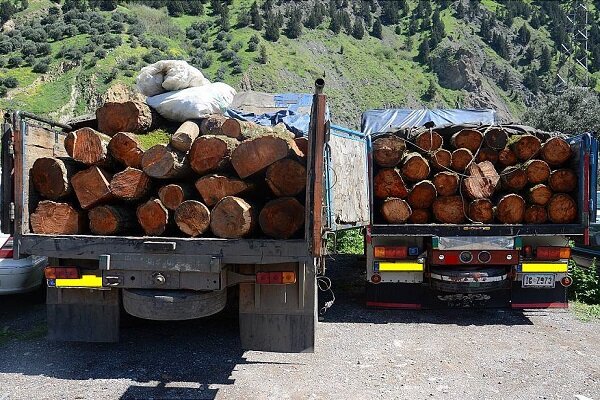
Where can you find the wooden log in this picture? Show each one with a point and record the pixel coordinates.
(486, 154)
(395, 211)
(429, 141)
(239, 129)
(211, 153)
(302, 144)
(51, 218)
(389, 183)
(526, 147)
(446, 183)
(173, 194)
(482, 180)
(422, 195)
(51, 177)
(125, 149)
(556, 151)
(388, 151)
(540, 194)
(129, 116)
(232, 218)
(185, 135)
(441, 159)
(420, 216)
(192, 218)
(535, 214)
(562, 209)
(415, 167)
(256, 154)
(537, 171)
(112, 220)
(164, 162)
(563, 180)
(213, 125)
(214, 187)
(286, 177)
(281, 218)
(87, 146)
(461, 158)
(449, 209)
(513, 178)
(130, 184)
(92, 187)
(495, 138)
(511, 209)
(467, 139)
(153, 217)
(481, 210)
(507, 158)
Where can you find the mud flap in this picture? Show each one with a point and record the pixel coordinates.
(538, 298)
(408, 296)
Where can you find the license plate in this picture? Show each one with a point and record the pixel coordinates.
(538, 280)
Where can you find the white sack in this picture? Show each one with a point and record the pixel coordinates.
(193, 102)
(168, 75)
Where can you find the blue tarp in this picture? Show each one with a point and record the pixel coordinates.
(375, 121)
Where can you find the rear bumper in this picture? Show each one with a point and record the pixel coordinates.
(21, 276)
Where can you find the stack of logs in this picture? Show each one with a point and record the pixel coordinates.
(485, 175)
(218, 176)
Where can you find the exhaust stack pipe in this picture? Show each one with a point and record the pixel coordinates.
(319, 85)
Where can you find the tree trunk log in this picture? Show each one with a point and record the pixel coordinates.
(389, 183)
(172, 195)
(213, 125)
(511, 209)
(537, 171)
(395, 211)
(130, 184)
(50, 218)
(535, 214)
(125, 148)
(461, 158)
(415, 167)
(213, 188)
(467, 139)
(562, 209)
(422, 195)
(496, 138)
(441, 160)
(92, 187)
(87, 146)
(513, 178)
(388, 151)
(481, 210)
(185, 135)
(563, 181)
(507, 158)
(281, 218)
(487, 155)
(286, 178)
(163, 162)
(449, 209)
(446, 183)
(420, 216)
(302, 144)
(256, 154)
(130, 116)
(153, 217)
(540, 194)
(192, 218)
(526, 147)
(112, 220)
(482, 180)
(429, 141)
(211, 153)
(556, 151)
(232, 218)
(52, 177)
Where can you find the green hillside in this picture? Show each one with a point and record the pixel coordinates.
(64, 58)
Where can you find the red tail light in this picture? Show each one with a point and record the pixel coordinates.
(276, 278)
(62, 273)
(552, 253)
(397, 252)
(6, 253)
(566, 281)
(528, 251)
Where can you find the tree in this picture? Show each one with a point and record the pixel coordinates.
(263, 55)
(431, 91)
(460, 10)
(175, 8)
(358, 30)
(257, 19)
(524, 35)
(10, 82)
(224, 18)
(271, 29)
(335, 25)
(14, 61)
(424, 50)
(532, 81)
(389, 12)
(244, 19)
(294, 24)
(41, 67)
(438, 30)
(545, 60)
(529, 53)
(377, 29)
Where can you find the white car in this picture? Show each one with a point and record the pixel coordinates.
(19, 276)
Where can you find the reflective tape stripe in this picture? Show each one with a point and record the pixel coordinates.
(544, 267)
(84, 281)
(398, 266)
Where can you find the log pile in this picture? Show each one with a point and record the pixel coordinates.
(217, 177)
(490, 175)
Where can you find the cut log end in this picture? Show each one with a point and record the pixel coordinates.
(563, 181)
(511, 209)
(422, 195)
(388, 151)
(185, 135)
(487, 155)
(514, 178)
(482, 180)
(92, 187)
(526, 147)
(461, 158)
(389, 183)
(535, 214)
(495, 138)
(129, 116)
(232, 218)
(164, 162)
(562, 209)
(130, 184)
(286, 178)
(171, 196)
(420, 216)
(481, 210)
(449, 209)
(467, 139)
(192, 217)
(537, 171)
(281, 218)
(211, 153)
(52, 177)
(507, 158)
(153, 217)
(556, 151)
(415, 167)
(51, 218)
(213, 188)
(111, 220)
(395, 211)
(446, 183)
(441, 159)
(540, 194)
(125, 149)
(429, 141)
(87, 146)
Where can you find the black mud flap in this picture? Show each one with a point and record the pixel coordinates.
(538, 298)
(403, 296)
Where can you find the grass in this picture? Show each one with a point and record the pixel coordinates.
(158, 136)
(585, 312)
(37, 332)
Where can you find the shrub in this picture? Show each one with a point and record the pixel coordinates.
(227, 54)
(3, 91)
(10, 82)
(586, 285)
(41, 67)
(44, 49)
(100, 53)
(237, 46)
(15, 61)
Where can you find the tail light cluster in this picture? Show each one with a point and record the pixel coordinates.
(6, 253)
(276, 278)
(62, 273)
(546, 253)
(395, 252)
(474, 257)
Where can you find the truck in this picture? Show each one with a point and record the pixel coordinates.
(431, 265)
(92, 278)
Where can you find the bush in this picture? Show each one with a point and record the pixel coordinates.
(159, 44)
(92, 62)
(220, 45)
(10, 82)
(237, 69)
(15, 61)
(5, 46)
(44, 49)
(3, 91)
(227, 54)
(41, 67)
(237, 46)
(586, 285)
(100, 53)
(29, 48)
(220, 74)
(136, 30)
(128, 73)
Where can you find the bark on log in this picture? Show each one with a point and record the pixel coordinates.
(496, 138)
(286, 178)
(429, 141)
(211, 153)
(87, 146)
(449, 209)
(302, 144)
(125, 148)
(395, 211)
(51, 218)
(213, 188)
(192, 218)
(422, 195)
(481, 210)
(153, 217)
(461, 158)
(535, 214)
(415, 167)
(446, 183)
(232, 218)
(467, 139)
(388, 151)
(112, 220)
(420, 216)
(389, 183)
(537, 171)
(441, 160)
(563, 180)
(507, 158)
(487, 155)
(562, 209)
(213, 125)
(540, 194)
(130, 184)
(185, 135)
(514, 178)
(281, 218)
(92, 187)
(130, 116)
(164, 162)
(172, 195)
(511, 209)
(256, 154)
(52, 177)
(556, 151)
(526, 147)
(482, 180)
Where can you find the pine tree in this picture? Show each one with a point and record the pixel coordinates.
(335, 24)
(529, 53)
(377, 29)
(524, 35)
(271, 28)
(257, 19)
(389, 12)
(294, 24)
(438, 30)
(424, 50)
(460, 10)
(413, 26)
(263, 55)
(532, 82)
(346, 22)
(535, 21)
(358, 31)
(545, 60)
(398, 30)
(224, 18)
(431, 91)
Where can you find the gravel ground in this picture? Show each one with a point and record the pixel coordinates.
(454, 354)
